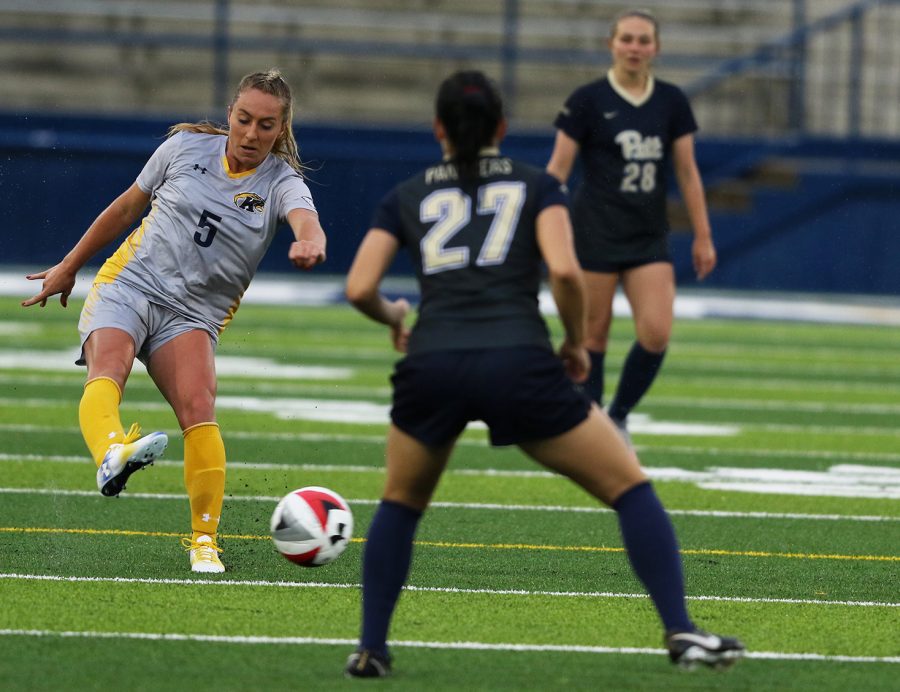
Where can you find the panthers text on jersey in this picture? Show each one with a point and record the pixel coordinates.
(475, 252)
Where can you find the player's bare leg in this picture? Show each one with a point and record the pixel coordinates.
(600, 289)
(650, 289)
(413, 472)
(595, 456)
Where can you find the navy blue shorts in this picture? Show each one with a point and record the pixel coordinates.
(521, 393)
(612, 267)
(606, 246)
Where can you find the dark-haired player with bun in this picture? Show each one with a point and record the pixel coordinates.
(478, 227)
(628, 128)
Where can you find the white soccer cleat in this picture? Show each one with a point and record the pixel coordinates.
(124, 458)
(204, 555)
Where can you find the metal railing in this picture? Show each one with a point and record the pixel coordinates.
(805, 74)
(843, 67)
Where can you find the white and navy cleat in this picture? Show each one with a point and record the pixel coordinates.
(124, 458)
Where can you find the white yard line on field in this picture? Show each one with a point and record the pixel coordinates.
(232, 366)
(788, 371)
(725, 452)
(721, 514)
(241, 434)
(881, 457)
(839, 480)
(469, 646)
(757, 405)
(371, 413)
(287, 289)
(795, 390)
(432, 589)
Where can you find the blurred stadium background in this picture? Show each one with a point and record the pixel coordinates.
(798, 103)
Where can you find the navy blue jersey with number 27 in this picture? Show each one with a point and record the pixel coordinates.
(474, 249)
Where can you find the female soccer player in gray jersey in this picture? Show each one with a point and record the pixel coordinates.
(478, 227)
(628, 129)
(216, 196)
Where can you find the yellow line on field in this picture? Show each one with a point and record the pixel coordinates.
(118, 532)
(479, 546)
(701, 551)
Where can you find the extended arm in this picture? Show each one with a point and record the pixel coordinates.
(565, 151)
(375, 254)
(554, 235)
(109, 225)
(691, 186)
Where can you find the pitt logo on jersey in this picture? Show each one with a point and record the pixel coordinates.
(638, 148)
(249, 201)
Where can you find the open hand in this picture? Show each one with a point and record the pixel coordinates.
(56, 280)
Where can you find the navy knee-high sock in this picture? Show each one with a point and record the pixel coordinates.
(386, 561)
(594, 384)
(653, 551)
(640, 369)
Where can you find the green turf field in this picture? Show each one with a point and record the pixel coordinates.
(775, 446)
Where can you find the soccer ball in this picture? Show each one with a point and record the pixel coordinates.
(312, 526)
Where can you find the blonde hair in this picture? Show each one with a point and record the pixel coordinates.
(270, 82)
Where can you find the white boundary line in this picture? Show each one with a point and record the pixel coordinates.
(733, 384)
(278, 289)
(466, 646)
(719, 514)
(728, 426)
(380, 440)
(435, 589)
(769, 453)
(757, 405)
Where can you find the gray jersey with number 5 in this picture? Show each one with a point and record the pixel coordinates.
(207, 230)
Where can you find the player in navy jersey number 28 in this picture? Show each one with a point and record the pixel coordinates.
(629, 128)
(217, 197)
(478, 227)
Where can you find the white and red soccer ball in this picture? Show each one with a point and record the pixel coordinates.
(312, 526)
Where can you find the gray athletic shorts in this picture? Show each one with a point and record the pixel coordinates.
(149, 324)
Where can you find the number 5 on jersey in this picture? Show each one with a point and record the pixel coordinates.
(206, 221)
(451, 211)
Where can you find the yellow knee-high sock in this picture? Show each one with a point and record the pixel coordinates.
(204, 476)
(98, 416)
